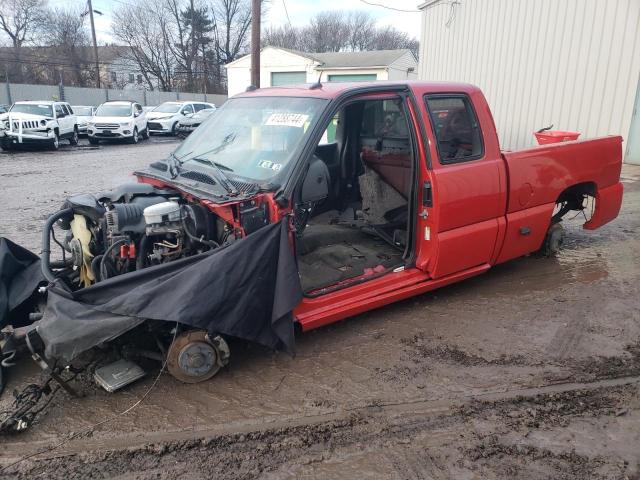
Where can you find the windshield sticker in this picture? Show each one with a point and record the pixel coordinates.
(270, 165)
(287, 120)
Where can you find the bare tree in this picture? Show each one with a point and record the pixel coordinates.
(18, 20)
(148, 32)
(337, 31)
(65, 36)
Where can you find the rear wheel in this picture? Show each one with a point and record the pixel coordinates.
(553, 240)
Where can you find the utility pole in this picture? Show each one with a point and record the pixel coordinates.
(255, 42)
(95, 44)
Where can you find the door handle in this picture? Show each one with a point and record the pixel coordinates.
(427, 195)
(424, 214)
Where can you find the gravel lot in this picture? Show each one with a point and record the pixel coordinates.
(529, 371)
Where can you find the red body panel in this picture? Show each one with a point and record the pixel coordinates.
(485, 211)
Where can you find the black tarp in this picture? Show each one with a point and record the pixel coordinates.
(246, 290)
(20, 275)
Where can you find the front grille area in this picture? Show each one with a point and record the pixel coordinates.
(108, 126)
(26, 124)
(154, 126)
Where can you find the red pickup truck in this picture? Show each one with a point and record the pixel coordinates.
(385, 191)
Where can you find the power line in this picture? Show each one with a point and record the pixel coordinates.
(389, 8)
(286, 12)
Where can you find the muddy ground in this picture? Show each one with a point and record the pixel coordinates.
(529, 371)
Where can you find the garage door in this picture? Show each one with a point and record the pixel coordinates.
(357, 77)
(287, 78)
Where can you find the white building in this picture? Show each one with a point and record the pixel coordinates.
(571, 63)
(280, 66)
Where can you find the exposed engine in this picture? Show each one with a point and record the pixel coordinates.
(128, 229)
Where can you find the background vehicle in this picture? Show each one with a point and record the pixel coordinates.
(84, 113)
(409, 193)
(38, 123)
(118, 120)
(165, 117)
(190, 122)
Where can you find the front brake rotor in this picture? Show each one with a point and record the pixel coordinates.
(194, 357)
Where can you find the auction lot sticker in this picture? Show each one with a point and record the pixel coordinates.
(287, 120)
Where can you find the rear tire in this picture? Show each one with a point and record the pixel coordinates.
(553, 241)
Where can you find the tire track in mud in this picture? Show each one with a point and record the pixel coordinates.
(424, 409)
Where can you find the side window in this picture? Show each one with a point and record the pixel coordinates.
(68, 108)
(456, 128)
(59, 111)
(188, 108)
(138, 108)
(199, 106)
(329, 135)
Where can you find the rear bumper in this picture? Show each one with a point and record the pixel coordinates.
(608, 203)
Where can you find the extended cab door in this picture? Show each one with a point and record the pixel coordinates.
(464, 191)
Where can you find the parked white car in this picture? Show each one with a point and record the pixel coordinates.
(118, 120)
(38, 123)
(165, 117)
(84, 113)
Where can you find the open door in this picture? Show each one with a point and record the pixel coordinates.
(361, 229)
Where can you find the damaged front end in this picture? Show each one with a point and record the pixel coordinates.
(144, 272)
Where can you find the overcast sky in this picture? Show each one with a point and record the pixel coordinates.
(299, 12)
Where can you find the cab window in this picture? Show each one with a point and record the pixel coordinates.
(59, 110)
(456, 128)
(187, 109)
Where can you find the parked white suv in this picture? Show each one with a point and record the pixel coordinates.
(119, 119)
(166, 116)
(38, 123)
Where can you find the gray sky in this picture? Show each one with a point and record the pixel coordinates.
(299, 12)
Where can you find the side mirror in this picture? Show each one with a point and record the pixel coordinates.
(136, 114)
(316, 183)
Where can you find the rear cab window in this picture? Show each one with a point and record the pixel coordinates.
(456, 128)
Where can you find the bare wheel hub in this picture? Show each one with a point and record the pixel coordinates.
(194, 357)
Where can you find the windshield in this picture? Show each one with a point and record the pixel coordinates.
(106, 110)
(168, 108)
(82, 111)
(33, 108)
(254, 137)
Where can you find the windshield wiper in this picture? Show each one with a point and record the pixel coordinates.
(220, 176)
